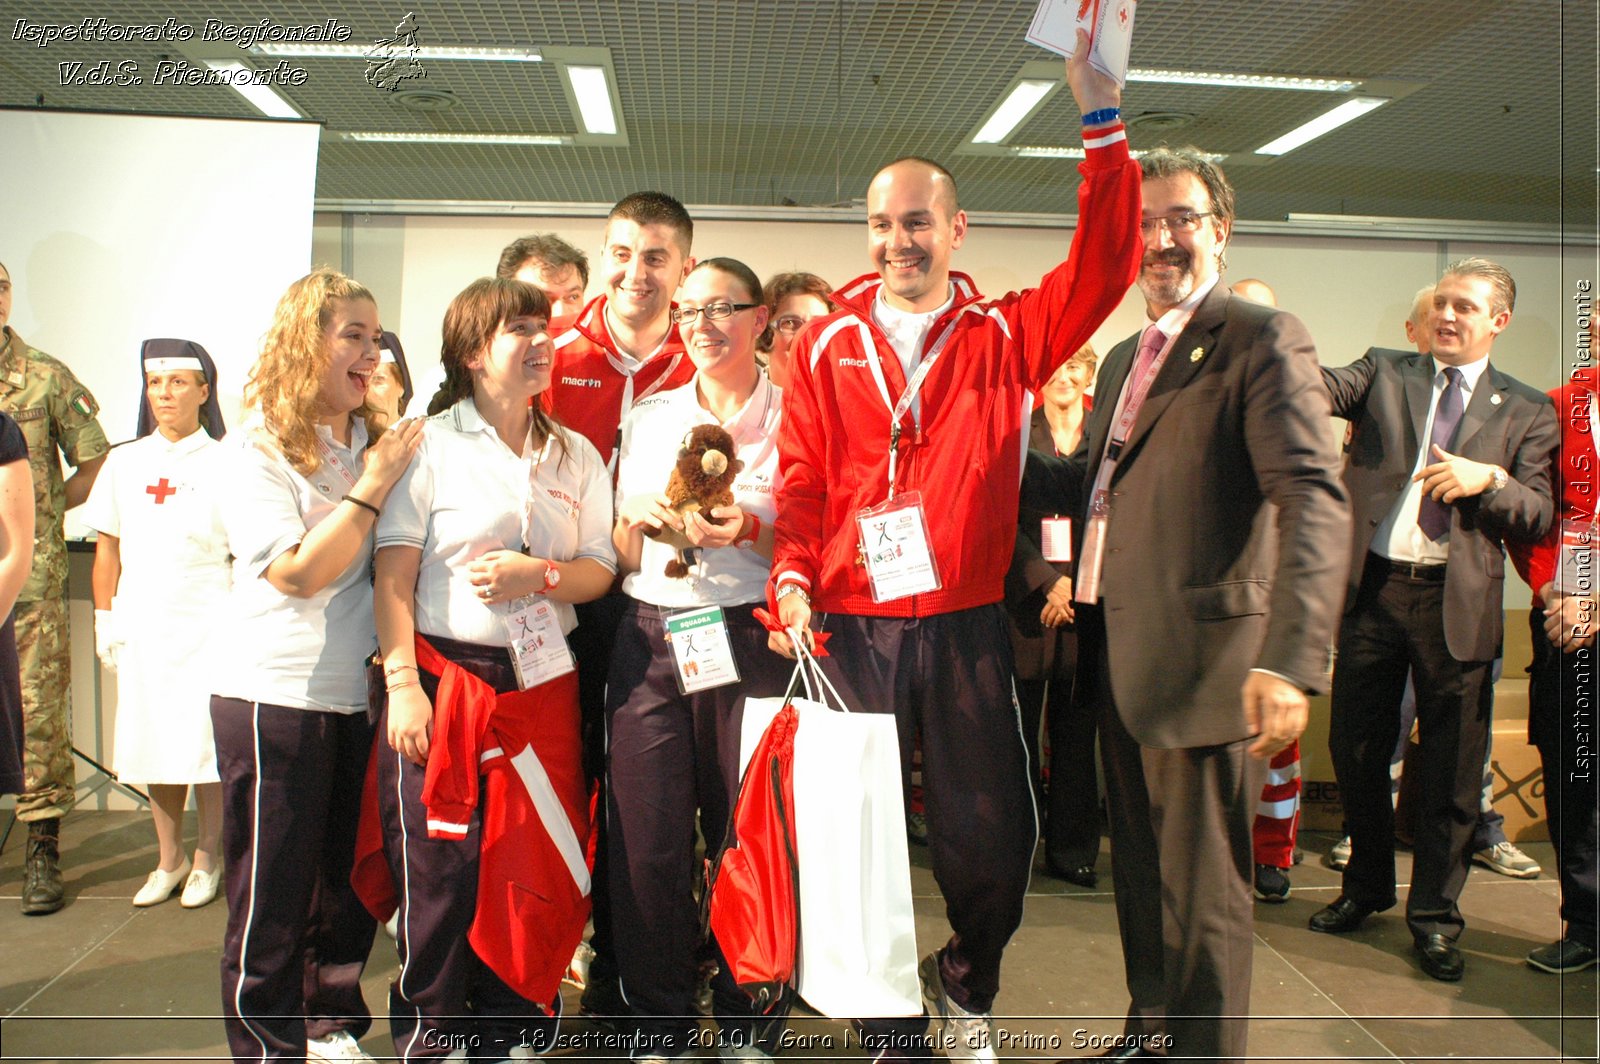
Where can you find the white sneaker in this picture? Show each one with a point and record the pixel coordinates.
(578, 969)
(963, 1035)
(337, 1047)
(1339, 856)
(1502, 857)
(201, 888)
(159, 885)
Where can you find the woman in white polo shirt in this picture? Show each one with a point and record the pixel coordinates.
(300, 493)
(503, 523)
(673, 754)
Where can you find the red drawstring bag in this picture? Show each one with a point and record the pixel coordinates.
(753, 886)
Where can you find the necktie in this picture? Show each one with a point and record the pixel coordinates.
(1150, 346)
(1433, 517)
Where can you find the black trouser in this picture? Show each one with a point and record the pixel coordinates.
(1562, 691)
(444, 996)
(1071, 803)
(948, 678)
(1181, 862)
(673, 755)
(297, 937)
(591, 644)
(1396, 625)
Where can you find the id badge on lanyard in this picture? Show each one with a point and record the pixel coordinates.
(538, 649)
(701, 651)
(895, 545)
(1055, 539)
(1575, 573)
(894, 541)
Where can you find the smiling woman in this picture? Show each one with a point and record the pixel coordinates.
(674, 738)
(500, 526)
(299, 497)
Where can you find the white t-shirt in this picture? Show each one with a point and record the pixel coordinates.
(651, 435)
(305, 653)
(467, 494)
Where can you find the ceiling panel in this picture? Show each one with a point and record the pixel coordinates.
(749, 102)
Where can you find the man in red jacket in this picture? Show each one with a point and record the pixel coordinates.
(622, 348)
(901, 454)
(1561, 685)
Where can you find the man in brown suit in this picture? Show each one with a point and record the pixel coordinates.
(1209, 580)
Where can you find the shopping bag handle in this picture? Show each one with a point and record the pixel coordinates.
(809, 666)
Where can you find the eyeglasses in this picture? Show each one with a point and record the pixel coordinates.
(712, 311)
(1182, 222)
(789, 324)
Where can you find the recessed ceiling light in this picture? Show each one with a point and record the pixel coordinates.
(592, 91)
(251, 85)
(447, 52)
(378, 136)
(1327, 122)
(1242, 81)
(1024, 97)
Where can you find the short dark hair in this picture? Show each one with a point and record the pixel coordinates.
(655, 208)
(783, 285)
(938, 169)
(1170, 162)
(547, 248)
(1499, 278)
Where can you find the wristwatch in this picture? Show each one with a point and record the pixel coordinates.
(791, 588)
(552, 577)
(1498, 479)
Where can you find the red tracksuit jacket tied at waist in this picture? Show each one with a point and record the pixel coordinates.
(515, 759)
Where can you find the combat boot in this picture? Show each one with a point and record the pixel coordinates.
(42, 889)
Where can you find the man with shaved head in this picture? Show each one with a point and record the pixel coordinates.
(903, 422)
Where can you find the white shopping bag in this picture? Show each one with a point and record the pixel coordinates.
(858, 943)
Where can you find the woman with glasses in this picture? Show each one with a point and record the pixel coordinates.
(791, 299)
(674, 708)
(499, 527)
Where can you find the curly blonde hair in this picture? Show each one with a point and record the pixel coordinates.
(287, 377)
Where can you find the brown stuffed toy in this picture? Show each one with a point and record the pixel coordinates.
(701, 480)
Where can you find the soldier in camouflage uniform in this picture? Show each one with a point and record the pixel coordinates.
(57, 415)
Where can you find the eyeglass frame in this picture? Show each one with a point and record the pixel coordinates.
(687, 315)
(1147, 226)
(789, 324)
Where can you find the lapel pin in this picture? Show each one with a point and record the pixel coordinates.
(1197, 354)
(1494, 400)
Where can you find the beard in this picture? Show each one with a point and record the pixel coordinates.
(1164, 290)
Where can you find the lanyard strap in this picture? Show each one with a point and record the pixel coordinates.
(628, 399)
(897, 411)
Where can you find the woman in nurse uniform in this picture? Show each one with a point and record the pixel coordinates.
(160, 571)
(301, 493)
(499, 527)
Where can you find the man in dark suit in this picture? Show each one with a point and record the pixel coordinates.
(1447, 457)
(1208, 581)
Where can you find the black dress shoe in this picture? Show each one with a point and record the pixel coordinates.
(1343, 915)
(1440, 958)
(1079, 875)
